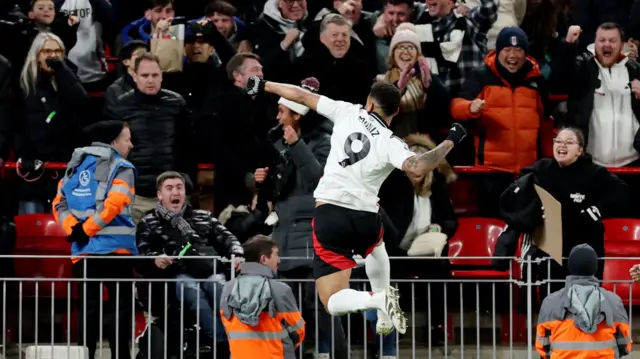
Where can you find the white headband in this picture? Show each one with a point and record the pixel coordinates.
(294, 106)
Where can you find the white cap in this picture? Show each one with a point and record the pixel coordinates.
(294, 106)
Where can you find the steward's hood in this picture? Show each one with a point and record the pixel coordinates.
(251, 294)
(105, 154)
(586, 303)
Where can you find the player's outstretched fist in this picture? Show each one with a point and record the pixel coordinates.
(255, 86)
(456, 133)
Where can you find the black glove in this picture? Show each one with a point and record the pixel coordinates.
(592, 213)
(255, 86)
(77, 235)
(457, 133)
(55, 64)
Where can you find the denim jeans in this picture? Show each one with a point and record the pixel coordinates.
(388, 341)
(208, 294)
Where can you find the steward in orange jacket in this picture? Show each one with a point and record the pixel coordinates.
(259, 313)
(583, 321)
(505, 97)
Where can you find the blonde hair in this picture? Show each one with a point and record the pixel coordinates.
(29, 73)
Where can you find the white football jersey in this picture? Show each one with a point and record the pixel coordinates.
(363, 153)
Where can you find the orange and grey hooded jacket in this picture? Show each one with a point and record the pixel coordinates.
(260, 315)
(98, 190)
(507, 128)
(583, 321)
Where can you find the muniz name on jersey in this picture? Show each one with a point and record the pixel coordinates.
(373, 130)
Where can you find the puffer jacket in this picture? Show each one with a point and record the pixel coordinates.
(156, 236)
(161, 132)
(507, 127)
(297, 173)
(118, 88)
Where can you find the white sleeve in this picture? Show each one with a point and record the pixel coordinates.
(334, 110)
(398, 151)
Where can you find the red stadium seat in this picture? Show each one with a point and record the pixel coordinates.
(621, 229)
(39, 234)
(616, 270)
(476, 237)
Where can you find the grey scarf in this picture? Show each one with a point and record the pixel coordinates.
(176, 219)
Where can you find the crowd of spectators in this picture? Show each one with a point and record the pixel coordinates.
(491, 64)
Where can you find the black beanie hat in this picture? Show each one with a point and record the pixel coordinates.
(512, 37)
(104, 131)
(131, 46)
(583, 261)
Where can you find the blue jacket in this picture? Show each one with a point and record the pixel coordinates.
(98, 190)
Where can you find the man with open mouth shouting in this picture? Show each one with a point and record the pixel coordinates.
(604, 94)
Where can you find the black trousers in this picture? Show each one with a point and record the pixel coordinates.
(118, 308)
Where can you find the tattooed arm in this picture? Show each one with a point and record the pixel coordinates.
(419, 165)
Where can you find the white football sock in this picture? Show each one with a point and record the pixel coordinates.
(379, 273)
(350, 300)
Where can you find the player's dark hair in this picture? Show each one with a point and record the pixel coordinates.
(257, 247)
(386, 96)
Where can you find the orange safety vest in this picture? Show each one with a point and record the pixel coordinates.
(270, 339)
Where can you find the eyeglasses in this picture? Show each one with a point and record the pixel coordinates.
(408, 48)
(564, 143)
(49, 52)
(291, 2)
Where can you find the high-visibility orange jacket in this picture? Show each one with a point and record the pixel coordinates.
(583, 321)
(260, 315)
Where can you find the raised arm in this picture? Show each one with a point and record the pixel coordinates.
(256, 85)
(418, 165)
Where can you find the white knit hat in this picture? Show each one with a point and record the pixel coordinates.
(294, 106)
(405, 32)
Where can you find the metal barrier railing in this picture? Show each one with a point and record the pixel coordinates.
(472, 317)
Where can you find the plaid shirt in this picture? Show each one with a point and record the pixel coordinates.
(474, 45)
